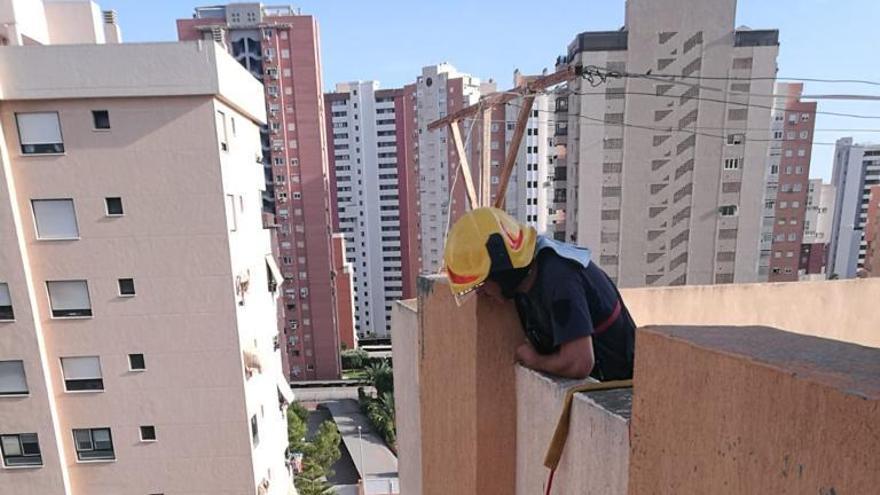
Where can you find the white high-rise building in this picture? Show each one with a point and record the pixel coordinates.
(440, 90)
(369, 153)
(669, 183)
(856, 170)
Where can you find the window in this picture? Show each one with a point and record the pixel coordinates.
(6, 313)
(804, 134)
(93, 444)
(69, 298)
(55, 219)
(735, 138)
(255, 431)
(285, 53)
(12, 378)
(21, 449)
(777, 254)
(39, 133)
(805, 117)
(727, 210)
(136, 362)
(732, 163)
(230, 213)
(148, 433)
(802, 152)
(788, 153)
(221, 131)
(101, 119)
(777, 134)
(113, 207)
(126, 286)
(82, 373)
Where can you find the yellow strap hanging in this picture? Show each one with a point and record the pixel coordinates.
(557, 444)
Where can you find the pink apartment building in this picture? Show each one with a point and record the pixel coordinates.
(797, 119)
(280, 47)
(139, 350)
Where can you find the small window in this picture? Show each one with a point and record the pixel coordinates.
(126, 286)
(732, 163)
(221, 131)
(735, 138)
(21, 449)
(231, 222)
(69, 298)
(255, 431)
(727, 210)
(93, 444)
(55, 219)
(136, 362)
(148, 433)
(6, 313)
(12, 378)
(101, 119)
(39, 133)
(113, 207)
(82, 373)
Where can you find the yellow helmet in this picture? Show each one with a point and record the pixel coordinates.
(483, 241)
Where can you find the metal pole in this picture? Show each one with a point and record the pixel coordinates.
(361, 442)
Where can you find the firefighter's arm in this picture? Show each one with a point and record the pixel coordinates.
(574, 359)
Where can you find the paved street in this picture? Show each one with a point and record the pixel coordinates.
(378, 460)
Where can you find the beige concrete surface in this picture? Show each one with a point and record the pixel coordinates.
(725, 410)
(843, 310)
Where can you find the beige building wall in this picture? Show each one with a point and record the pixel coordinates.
(191, 237)
(839, 310)
(651, 182)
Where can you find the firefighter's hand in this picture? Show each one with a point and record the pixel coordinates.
(526, 355)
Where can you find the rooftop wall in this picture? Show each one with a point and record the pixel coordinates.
(129, 70)
(841, 309)
(753, 410)
(715, 409)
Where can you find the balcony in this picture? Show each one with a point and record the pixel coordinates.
(774, 389)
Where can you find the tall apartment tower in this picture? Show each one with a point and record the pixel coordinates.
(818, 217)
(279, 46)
(440, 90)
(787, 184)
(670, 182)
(138, 351)
(856, 170)
(371, 140)
(529, 193)
(872, 234)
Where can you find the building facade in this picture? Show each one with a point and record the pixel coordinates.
(787, 185)
(856, 170)
(872, 235)
(280, 47)
(370, 131)
(670, 175)
(139, 348)
(817, 230)
(439, 91)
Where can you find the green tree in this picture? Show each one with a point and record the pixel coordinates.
(296, 428)
(381, 376)
(323, 450)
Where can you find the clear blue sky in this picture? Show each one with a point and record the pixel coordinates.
(390, 40)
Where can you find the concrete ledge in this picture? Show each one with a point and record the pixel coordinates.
(732, 410)
(839, 309)
(596, 455)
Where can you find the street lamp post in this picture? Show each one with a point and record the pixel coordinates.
(361, 443)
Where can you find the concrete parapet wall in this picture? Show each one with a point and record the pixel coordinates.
(596, 455)
(753, 410)
(840, 309)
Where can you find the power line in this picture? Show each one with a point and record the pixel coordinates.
(729, 102)
(760, 78)
(689, 130)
